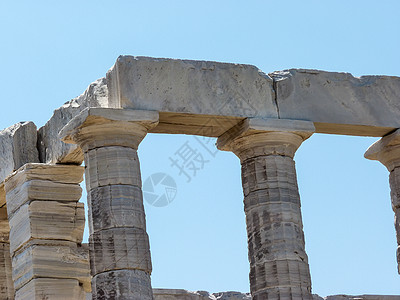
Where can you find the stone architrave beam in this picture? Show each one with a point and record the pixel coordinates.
(208, 98)
(339, 103)
(119, 245)
(278, 260)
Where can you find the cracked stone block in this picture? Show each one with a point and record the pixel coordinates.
(17, 147)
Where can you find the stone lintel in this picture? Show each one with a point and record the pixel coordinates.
(386, 150)
(98, 127)
(240, 134)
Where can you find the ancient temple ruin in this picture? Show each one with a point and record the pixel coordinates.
(261, 118)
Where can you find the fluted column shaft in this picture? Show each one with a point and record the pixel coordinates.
(119, 246)
(278, 261)
(387, 151)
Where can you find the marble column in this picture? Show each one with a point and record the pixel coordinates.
(387, 151)
(46, 230)
(119, 246)
(278, 261)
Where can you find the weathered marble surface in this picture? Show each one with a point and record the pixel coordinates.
(208, 98)
(190, 87)
(51, 148)
(46, 229)
(6, 282)
(180, 294)
(119, 245)
(339, 103)
(387, 151)
(362, 297)
(278, 261)
(54, 289)
(50, 259)
(17, 147)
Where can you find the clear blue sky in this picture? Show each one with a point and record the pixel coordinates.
(51, 51)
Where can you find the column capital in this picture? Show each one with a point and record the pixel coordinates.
(386, 150)
(99, 127)
(256, 136)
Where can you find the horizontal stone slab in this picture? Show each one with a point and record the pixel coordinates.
(17, 147)
(41, 190)
(54, 173)
(52, 289)
(51, 259)
(252, 126)
(97, 127)
(339, 103)
(209, 98)
(47, 220)
(191, 87)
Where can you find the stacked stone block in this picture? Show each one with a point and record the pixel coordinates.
(46, 229)
(6, 283)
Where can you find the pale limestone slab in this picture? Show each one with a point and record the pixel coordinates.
(251, 126)
(339, 103)
(100, 127)
(51, 259)
(41, 190)
(17, 147)
(51, 289)
(187, 86)
(208, 98)
(51, 148)
(50, 220)
(37, 171)
(261, 137)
